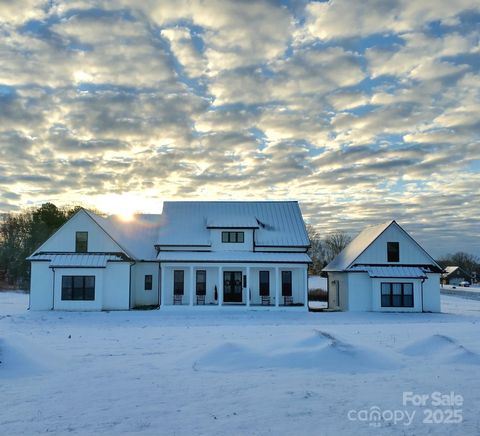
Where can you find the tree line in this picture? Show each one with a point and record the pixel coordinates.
(21, 233)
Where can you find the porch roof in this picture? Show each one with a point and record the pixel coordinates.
(410, 272)
(232, 256)
(75, 260)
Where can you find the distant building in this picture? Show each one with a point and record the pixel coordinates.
(246, 253)
(454, 275)
(384, 269)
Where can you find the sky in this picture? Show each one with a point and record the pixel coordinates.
(363, 111)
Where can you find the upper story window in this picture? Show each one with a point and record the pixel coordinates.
(81, 242)
(393, 252)
(233, 237)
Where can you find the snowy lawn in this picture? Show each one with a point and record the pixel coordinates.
(233, 372)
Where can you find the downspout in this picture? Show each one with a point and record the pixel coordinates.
(423, 280)
(158, 284)
(328, 292)
(130, 286)
(53, 290)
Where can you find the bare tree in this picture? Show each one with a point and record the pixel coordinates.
(316, 251)
(335, 243)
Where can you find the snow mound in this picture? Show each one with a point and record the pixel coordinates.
(444, 349)
(19, 360)
(322, 351)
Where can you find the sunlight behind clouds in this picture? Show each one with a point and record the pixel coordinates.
(360, 110)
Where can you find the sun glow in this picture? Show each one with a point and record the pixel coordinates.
(126, 205)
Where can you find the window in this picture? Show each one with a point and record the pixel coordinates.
(201, 288)
(233, 237)
(148, 282)
(393, 252)
(397, 294)
(78, 288)
(264, 286)
(286, 283)
(81, 242)
(178, 282)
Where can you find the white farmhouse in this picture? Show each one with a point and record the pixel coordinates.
(384, 269)
(193, 254)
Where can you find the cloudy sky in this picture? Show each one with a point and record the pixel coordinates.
(362, 110)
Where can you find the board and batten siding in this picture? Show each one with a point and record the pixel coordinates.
(410, 252)
(41, 286)
(141, 296)
(64, 239)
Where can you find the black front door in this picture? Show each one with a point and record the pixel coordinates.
(232, 286)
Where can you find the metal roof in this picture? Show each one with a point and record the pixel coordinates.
(233, 222)
(411, 272)
(348, 255)
(232, 256)
(87, 260)
(185, 222)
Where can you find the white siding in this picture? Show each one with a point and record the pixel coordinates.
(359, 292)
(41, 287)
(218, 245)
(417, 295)
(410, 252)
(64, 239)
(338, 300)
(140, 296)
(79, 305)
(431, 293)
(116, 293)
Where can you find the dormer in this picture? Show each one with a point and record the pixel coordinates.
(232, 233)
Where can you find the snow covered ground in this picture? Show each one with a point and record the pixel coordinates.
(235, 372)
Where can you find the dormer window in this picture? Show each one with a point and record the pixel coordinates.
(81, 242)
(393, 252)
(233, 237)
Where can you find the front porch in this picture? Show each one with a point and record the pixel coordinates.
(234, 285)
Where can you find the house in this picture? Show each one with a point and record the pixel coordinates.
(384, 269)
(209, 254)
(454, 275)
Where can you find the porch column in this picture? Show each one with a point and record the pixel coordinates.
(305, 276)
(191, 287)
(220, 285)
(248, 286)
(277, 286)
(162, 285)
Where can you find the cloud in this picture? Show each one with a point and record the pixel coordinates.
(363, 111)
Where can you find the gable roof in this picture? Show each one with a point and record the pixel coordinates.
(356, 247)
(186, 223)
(135, 236)
(345, 259)
(96, 220)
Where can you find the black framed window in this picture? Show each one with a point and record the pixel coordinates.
(397, 295)
(286, 283)
(81, 242)
(178, 282)
(233, 237)
(148, 282)
(264, 283)
(78, 288)
(393, 252)
(201, 282)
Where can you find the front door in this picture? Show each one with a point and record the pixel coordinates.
(232, 286)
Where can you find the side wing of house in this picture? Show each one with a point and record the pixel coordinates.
(391, 272)
(80, 267)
